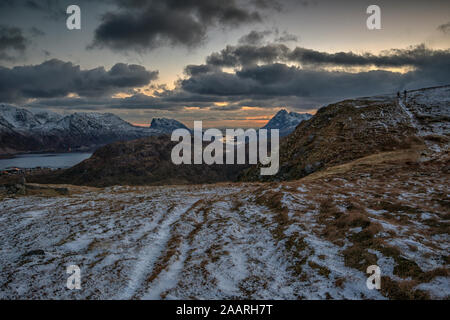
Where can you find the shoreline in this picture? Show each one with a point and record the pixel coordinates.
(37, 161)
(15, 155)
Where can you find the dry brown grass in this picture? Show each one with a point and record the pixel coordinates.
(358, 257)
(403, 290)
(322, 270)
(251, 285)
(271, 199)
(172, 249)
(372, 161)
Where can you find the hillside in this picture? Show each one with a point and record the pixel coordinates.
(306, 239)
(355, 128)
(145, 161)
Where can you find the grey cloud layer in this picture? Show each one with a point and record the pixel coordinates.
(418, 56)
(256, 38)
(146, 24)
(247, 55)
(279, 80)
(312, 80)
(56, 78)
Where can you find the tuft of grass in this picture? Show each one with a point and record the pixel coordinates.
(272, 200)
(401, 290)
(394, 207)
(358, 257)
(323, 271)
(406, 268)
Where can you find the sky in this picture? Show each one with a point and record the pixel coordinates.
(229, 63)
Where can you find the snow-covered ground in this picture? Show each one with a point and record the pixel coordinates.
(429, 110)
(257, 241)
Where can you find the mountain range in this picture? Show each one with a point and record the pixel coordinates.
(22, 130)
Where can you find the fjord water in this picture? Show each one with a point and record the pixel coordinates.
(44, 160)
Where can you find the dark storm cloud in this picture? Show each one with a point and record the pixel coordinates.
(445, 28)
(230, 107)
(193, 70)
(281, 80)
(12, 43)
(276, 79)
(254, 37)
(286, 37)
(418, 56)
(146, 24)
(245, 55)
(56, 78)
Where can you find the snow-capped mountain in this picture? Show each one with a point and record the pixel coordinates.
(44, 116)
(22, 130)
(286, 121)
(166, 125)
(15, 118)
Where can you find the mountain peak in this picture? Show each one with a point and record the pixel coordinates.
(281, 112)
(166, 125)
(286, 121)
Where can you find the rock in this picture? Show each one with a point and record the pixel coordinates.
(309, 169)
(317, 165)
